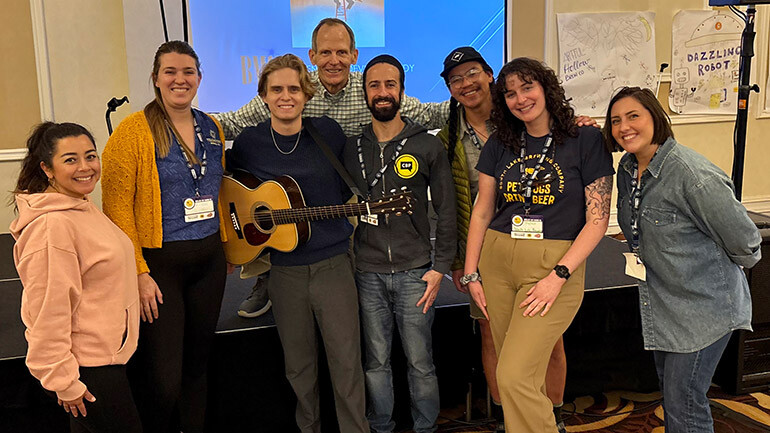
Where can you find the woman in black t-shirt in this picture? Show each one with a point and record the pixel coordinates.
(543, 205)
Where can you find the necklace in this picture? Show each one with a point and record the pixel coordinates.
(299, 134)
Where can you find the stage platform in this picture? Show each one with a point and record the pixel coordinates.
(246, 369)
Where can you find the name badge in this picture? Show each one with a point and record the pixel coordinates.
(198, 208)
(634, 267)
(527, 227)
(370, 219)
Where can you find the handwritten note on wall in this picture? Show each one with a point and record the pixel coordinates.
(705, 55)
(601, 52)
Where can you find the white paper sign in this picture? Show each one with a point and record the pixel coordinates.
(705, 55)
(601, 52)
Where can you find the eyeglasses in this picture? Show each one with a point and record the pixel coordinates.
(472, 75)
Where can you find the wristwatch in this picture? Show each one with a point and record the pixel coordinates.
(469, 278)
(562, 271)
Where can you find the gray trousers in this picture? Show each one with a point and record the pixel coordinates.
(325, 293)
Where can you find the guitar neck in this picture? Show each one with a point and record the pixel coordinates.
(293, 216)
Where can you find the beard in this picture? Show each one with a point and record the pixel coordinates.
(384, 114)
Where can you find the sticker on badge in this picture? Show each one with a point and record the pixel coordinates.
(198, 208)
(634, 267)
(370, 219)
(406, 166)
(527, 227)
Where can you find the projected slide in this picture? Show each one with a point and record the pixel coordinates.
(235, 38)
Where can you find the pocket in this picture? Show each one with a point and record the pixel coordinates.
(417, 274)
(131, 323)
(658, 217)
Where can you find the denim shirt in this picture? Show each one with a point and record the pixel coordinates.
(693, 237)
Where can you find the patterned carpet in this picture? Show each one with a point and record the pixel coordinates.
(628, 412)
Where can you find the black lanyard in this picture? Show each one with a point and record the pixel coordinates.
(526, 180)
(381, 171)
(472, 132)
(635, 199)
(196, 177)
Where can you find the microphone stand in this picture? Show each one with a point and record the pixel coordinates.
(112, 105)
(741, 119)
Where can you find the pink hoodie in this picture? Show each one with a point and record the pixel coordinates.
(81, 300)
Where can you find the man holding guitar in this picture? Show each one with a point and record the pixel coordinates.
(314, 282)
(397, 282)
(339, 95)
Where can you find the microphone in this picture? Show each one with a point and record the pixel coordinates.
(112, 105)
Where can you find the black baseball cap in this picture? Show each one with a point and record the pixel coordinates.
(461, 55)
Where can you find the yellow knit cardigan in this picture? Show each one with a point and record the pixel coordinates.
(131, 186)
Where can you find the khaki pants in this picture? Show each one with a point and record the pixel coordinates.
(509, 268)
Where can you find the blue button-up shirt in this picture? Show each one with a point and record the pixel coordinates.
(694, 236)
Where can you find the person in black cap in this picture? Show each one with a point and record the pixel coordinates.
(397, 281)
(470, 79)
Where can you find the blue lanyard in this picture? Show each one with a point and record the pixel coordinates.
(528, 181)
(196, 177)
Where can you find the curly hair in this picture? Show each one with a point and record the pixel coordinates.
(508, 126)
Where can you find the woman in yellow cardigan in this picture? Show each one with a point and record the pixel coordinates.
(162, 171)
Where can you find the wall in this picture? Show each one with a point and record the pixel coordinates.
(86, 55)
(19, 100)
(89, 64)
(712, 139)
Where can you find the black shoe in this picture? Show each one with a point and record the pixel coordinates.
(562, 428)
(497, 414)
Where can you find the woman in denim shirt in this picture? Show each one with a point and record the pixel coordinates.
(689, 237)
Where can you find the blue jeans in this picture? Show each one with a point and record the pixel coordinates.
(684, 380)
(386, 299)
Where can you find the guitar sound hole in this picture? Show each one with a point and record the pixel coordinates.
(263, 219)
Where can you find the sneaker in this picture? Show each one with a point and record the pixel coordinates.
(258, 301)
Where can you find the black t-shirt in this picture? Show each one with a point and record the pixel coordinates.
(573, 165)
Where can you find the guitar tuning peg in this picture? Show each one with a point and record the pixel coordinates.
(403, 188)
(409, 212)
(393, 191)
(398, 213)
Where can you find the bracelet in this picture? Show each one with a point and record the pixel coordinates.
(469, 278)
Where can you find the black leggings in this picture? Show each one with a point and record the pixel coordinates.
(168, 371)
(113, 410)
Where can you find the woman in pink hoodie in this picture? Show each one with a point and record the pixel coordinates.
(80, 300)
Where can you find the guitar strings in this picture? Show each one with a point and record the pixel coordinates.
(281, 216)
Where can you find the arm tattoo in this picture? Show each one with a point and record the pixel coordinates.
(598, 197)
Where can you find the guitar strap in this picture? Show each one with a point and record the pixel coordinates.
(331, 157)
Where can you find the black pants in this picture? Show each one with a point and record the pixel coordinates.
(168, 371)
(113, 410)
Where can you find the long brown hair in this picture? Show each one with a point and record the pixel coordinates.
(41, 146)
(508, 126)
(155, 111)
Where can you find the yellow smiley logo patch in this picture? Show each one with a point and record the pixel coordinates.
(406, 166)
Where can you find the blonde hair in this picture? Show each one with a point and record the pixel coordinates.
(287, 61)
(155, 111)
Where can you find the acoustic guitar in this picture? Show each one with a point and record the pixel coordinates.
(272, 214)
